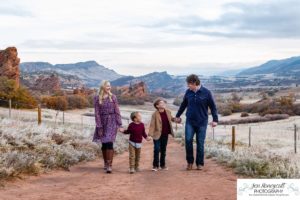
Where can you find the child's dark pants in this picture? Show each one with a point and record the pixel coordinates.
(160, 146)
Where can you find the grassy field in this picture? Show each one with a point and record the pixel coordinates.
(28, 148)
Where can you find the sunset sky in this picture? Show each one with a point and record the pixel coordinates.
(135, 37)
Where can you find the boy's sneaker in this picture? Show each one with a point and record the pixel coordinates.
(131, 170)
(189, 167)
(164, 168)
(199, 167)
(155, 169)
(137, 169)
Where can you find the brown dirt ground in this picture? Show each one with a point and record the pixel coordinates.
(88, 181)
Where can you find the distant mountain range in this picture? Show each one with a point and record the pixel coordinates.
(157, 82)
(285, 67)
(90, 72)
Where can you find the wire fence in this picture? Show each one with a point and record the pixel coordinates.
(276, 136)
(83, 117)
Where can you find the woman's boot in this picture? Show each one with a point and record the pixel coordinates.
(104, 158)
(110, 155)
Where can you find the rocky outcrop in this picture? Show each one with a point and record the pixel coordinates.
(48, 84)
(9, 64)
(132, 94)
(137, 90)
(84, 91)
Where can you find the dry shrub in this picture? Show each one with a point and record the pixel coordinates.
(31, 149)
(77, 101)
(244, 114)
(55, 102)
(253, 162)
(21, 97)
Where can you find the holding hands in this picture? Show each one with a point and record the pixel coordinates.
(176, 120)
(121, 129)
(149, 138)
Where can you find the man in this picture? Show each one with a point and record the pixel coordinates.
(197, 100)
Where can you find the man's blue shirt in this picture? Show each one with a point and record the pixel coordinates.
(197, 104)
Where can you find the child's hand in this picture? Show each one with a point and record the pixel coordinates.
(149, 138)
(121, 129)
(176, 120)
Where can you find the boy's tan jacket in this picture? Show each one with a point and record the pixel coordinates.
(156, 124)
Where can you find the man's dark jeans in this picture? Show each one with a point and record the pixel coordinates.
(160, 146)
(200, 132)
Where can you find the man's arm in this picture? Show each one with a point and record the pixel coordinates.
(213, 107)
(183, 106)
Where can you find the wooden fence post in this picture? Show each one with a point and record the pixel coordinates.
(9, 104)
(250, 136)
(39, 114)
(233, 139)
(295, 137)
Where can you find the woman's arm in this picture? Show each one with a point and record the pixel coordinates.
(117, 111)
(97, 112)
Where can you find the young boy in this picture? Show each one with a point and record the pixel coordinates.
(160, 128)
(136, 129)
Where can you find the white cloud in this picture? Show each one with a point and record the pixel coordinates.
(119, 33)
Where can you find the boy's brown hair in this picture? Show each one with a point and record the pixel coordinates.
(156, 102)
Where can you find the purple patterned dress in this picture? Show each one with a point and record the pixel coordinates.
(108, 120)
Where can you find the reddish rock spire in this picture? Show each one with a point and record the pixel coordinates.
(9, 64)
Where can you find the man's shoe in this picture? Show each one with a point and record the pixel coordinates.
(189, 167)
(164, 168)
(155, 169)
(199, 167)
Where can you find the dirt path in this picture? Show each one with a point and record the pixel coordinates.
(87, 181)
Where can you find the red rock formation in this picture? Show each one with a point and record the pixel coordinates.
(9, 64)
(138, 90)
(47, 84)
(83, 91)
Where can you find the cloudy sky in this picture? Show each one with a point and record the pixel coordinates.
(140, 36)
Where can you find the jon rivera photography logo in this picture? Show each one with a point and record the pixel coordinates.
(261, 189)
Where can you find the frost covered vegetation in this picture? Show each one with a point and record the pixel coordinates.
(254, 162)
(271, 154)
(26, 148)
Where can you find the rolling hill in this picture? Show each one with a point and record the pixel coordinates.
(157, 82)
(285, 67)
(90, 72)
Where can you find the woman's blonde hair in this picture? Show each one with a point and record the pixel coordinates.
(101, 91)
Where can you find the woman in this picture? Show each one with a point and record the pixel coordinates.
(108, 121)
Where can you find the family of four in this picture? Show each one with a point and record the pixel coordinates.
(196, 101)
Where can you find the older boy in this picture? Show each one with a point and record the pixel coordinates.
(160, 128)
